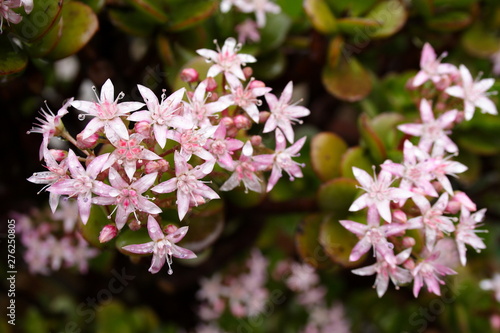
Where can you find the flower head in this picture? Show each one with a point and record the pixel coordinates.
(466, 233)
(431, 67)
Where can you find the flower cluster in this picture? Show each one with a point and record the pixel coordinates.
(51, 240)
(136, 159)
(8, 13)
(417, 194)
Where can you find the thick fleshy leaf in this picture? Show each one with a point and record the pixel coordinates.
(356, 25)
(371, 140)
(129, 237)
(47, 42)
(357, 157)
(152, 8)
(97, 220)
(80, 24)
(337, 195)
(185, 16)
(307, 241)
(43, 17)
(206, 223)
(326, 153)
(273, 34)
(132, 22)
(391, 16)
(338, 242)
(13, 60)
(335, 51)
(385, 125)
(450, 21)
(270, 66)
(354, 8)
(321, 16)
(480, 41)
(348, 81)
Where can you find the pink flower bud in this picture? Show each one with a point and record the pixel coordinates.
(212, 97)
(256, 84)
(248, 71)
(152, 166)
(189, 75)
(408, 242)
(227, 121)
(58, 154)
(458, 200)
(211, 83)
(143, 128)
(108, 232)
(242, 122)
(170, 229)
(399, 216)
(256, 140)
(87, 143)
(409, 264)
(495, 322)
(164, 165)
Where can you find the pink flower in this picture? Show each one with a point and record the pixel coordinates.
(246, 98)
(466, 233)
(260, 8)
(190, 190)
(107, 113)
(130, 198)
(432, 218)
(283, 115)
(192, 141)
(8, 14)
(444, 167)
(432, 132)
(162, 246)
(164, 115)
(429, 271)
(385, 271)
(83, 183)
(378, 194)
(128, 153)
(244, 171)
(226, 60)
(373, 235)
(473, 93)
(50, 125)
(303, 277)
(247, 30)
(492, 284)
(282, 160)
(202, 111)
(222, 148)
(431, 67)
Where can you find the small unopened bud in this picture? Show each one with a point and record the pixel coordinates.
(189, 75)
(143, 128)
(409, 264)
(256, 140)
(256, 84)
(134, 224)
(164, 165)
(87, 143)
(151, 167)
(227, 121)
(248, 71)
(58, 154)
(458, 200)
(213, 97)
(399, 216)
(495, 322)
(170, 229)
(242, 122)
(408, 242)
(211, 83)
(108, 233)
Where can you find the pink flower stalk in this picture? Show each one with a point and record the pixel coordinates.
(433, 132)
(107, 113)
(415, 172)
(465, 232)
(246, 98)
(83, 183)
(162, 246)
(57, 172)
(379, 193)
(429, 271)
(202, 111)
(432, 218)
(227, 59)
(282, 160)
(374, 235)
(128, 153)
(248, 31)
(473, 92)
(222, 147)
(50, 125)
(283, 114)
(130, 198)
(431, 67)
(385, 271)
(190, 190)
(260, 8)
(244, 171)
(162, 115)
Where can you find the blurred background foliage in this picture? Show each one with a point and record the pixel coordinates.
(349, 61)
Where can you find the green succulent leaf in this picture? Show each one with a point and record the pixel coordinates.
(206, 223)
(450, 21)
(43, 17)
(307, 241)
(152, 8)
(132, 22)
(371, 140)
(129, 237)
(80, 23)
(327, 149)
(337, 195)
(321, 16)
(479, 41)
(13, 59)
(91, 230)
(354, 157)
(391, 16)
(184, 17)
(348, 81)
(45, 44)
(357, 25)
